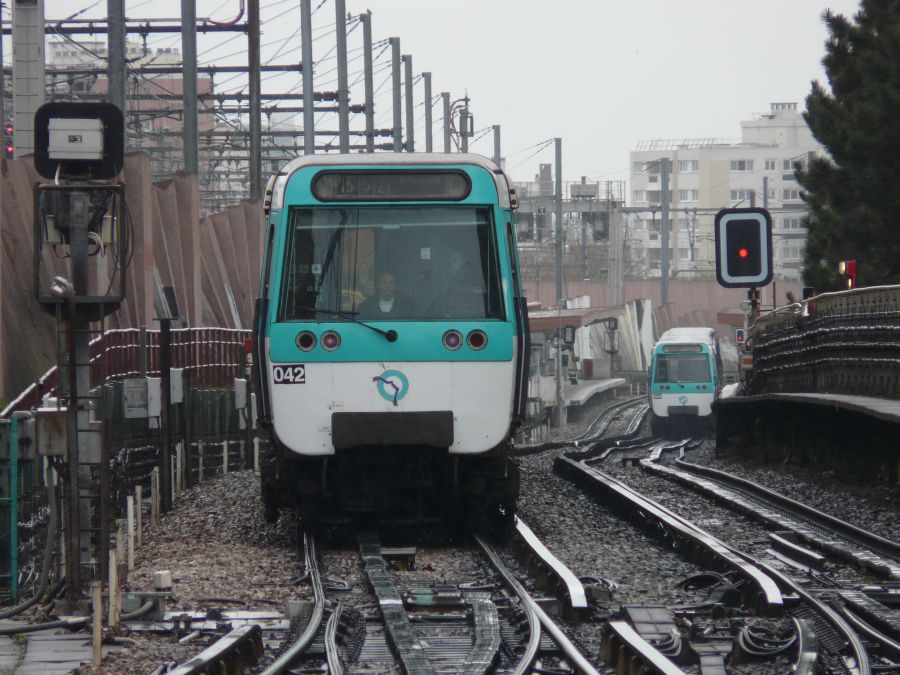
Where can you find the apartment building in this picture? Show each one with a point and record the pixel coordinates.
(709, 174)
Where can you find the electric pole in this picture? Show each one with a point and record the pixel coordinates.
(189, 84)
(340, 11)
(445, 97)
(256, 183)
(426, 81)
(560, 292)
(369, 83)
(497, 144)
(309, 118)
(116, 50)
(410, 104)
(395, 76)
(664, 231)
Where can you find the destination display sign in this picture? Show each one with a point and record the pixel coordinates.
(390, 186)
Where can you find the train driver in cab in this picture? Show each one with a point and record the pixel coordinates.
(386, 303)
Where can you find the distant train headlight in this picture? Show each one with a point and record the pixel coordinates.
(453, 340)
(477, 340)
(305, 341)
(330, 341)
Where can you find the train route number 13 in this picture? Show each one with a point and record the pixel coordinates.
(289, 374)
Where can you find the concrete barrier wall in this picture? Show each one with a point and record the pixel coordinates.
(212, 263)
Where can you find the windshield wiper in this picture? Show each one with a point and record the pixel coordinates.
(389, 335)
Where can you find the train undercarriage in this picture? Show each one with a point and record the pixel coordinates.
(679, 426)
(399, 486)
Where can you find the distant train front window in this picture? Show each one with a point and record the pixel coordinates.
(682, 368)
(390, 263)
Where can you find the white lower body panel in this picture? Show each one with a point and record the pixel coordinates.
(479, 394)
(660, 403)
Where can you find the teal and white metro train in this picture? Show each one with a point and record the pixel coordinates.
(391, 337)
(685, 378)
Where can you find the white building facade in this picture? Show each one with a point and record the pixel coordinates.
(706, 175)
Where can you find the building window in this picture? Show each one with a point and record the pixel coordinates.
(653, 178)
(770, 165)
(688, 165)
(688, 195)
(638, 167)
(684, 224)
(792, 223)
(790, 195)
(742, 165)
(740, 195)
(792, 252)
(639, 195)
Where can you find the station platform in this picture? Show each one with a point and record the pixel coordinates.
(880, 408)
(544, 388)
(579, 394)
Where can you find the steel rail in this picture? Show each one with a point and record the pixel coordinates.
(284, 661)
(869, 539)
(574, 589)
(241, 647)
(777, 515)
(889, 646)
(855, 644)
(837, 622)
(582, 441)
(771, 595)
(651, 657)
(332, 653)
(807, 650)
(537, 619)
(607, 416)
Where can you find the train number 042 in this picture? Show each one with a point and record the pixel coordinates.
(289, 374)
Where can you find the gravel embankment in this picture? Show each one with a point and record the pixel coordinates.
(216, 544)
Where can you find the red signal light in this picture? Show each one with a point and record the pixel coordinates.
(743, 251)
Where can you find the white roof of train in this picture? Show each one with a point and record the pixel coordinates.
(689, 334)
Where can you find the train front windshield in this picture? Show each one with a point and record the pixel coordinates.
(682, 368)
(437, 262)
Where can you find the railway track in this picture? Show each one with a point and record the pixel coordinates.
(860, 617)
(386, 611)
(375, 618)
(405, 622)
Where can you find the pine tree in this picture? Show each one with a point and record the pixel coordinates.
(853, 196)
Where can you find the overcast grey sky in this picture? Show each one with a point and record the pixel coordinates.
(602, 75)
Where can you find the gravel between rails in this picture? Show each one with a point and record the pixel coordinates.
(216, 544)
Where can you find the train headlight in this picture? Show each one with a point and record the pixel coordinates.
(305, 341)
(453, 340)
(330, 341)
(477, 340)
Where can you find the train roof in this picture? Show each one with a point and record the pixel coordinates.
(505, 189)
(689, 334)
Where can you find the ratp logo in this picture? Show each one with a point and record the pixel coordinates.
(682, 400)
(392, 385)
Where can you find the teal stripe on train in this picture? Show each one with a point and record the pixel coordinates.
(416, 341)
